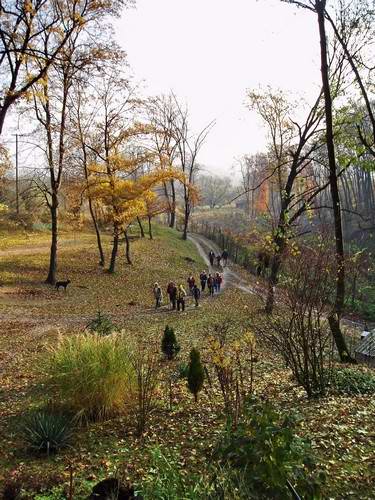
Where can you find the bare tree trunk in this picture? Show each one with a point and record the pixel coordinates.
(97, 232)
(172, 222)
(186, 223)
(112, 264)
(334, 318)
(91, 208)
(127, 248)
(51, 278)
(141, 227)
(273, 279)
(150, 228)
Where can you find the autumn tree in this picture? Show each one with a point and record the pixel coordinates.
(214, 190)
(33, 34)
(291, 153)
(123, 196)
(253, 169)
(318, 7)
(51, 96)
(162, 113)
(188, 148)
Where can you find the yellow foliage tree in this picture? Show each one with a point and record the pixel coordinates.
(123, 195)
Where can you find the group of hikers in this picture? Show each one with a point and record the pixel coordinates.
(177, 293)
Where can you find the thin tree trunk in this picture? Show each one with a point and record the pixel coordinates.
(150, 228)
(51, 278)
(141, 227)
(97, 232)
(272, 282)
(186, 217)
(335, 316)
(127, 248)
(91, 208)
(112, 264)
(172, 221)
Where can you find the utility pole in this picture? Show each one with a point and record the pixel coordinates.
(17, 190)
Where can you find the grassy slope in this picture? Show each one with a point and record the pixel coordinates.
(32, 314)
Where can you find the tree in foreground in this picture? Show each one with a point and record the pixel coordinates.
(169, 344)
(319, 8)
(299, 329)
(33, 34)
(195, 373)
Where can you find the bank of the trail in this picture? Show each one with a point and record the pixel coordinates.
(233, 279)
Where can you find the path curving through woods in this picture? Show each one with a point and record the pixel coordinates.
(230, 277)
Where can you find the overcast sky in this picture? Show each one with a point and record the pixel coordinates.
(210, 51)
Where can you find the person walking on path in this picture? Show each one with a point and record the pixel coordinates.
(158, 294)
(218, 260)
(181, 294)
(172, 292)
(191, 283)
(211, 256)
(218, 281)
(210, 285)
(203, 277)
(196, 295)
(225, 256)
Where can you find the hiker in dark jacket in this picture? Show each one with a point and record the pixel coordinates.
(158, 294)
(191, 283)
(203, 277)
(181, 294)
(196, 295)
(225, 256)
(172, 292)
(218, 281)
(218, 260)
(211, 256)
(210, 284)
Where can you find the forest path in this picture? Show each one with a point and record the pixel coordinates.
(230, 277)
(37, 248)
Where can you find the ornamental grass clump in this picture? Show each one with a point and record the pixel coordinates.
(91, 375)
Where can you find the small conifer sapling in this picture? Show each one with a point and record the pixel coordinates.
(195, 373)
(169, 344)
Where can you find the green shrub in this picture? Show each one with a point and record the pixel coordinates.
(91, 375)
(183, 371)
(169, 344)
(47, 432)
(268, 454)
(166, 480)
(353, 381)
(195, 376)
(102, 325)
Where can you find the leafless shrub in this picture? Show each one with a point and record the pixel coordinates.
(231, 354)
(145, 360)
(299, 329)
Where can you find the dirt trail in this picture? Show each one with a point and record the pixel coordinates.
(230, 277)
(29, 248)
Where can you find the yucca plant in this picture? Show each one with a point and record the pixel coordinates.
(46, 432)
(91, 375)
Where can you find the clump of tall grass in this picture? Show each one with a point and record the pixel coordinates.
(91, 375)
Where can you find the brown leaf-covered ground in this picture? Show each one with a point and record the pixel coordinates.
(32, 315)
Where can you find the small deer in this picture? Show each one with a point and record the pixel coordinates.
(63, 284)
